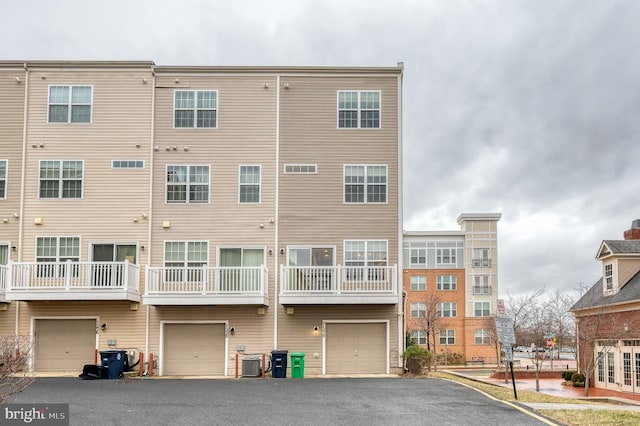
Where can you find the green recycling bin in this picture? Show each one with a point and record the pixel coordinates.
(297, 365)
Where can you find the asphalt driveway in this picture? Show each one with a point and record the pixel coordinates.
(340, 401)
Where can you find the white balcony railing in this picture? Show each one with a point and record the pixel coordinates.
(338, 284)
(73, 281)
(481, 290)
(4, 272)
(206, 285)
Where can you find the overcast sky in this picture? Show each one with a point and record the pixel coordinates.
(528, 108)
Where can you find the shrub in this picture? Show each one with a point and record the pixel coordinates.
(578, 379)
(567, 374)
(451, 358)
(416, 358)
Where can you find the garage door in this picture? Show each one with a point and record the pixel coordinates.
(64, 345)
(356, 348)
(193, 349)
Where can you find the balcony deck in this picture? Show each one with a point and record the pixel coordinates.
(72, 281)
(319, 285)
(206, 286)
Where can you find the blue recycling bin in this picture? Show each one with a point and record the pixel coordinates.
(113, 363)
(279, 364)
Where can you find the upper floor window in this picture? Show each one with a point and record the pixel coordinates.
(481, 258)
(446, 256)
(608, 276)
(418, 310)
(418, 282)
(447, 337)
(4, 253)
(481, 284)
(60, 179)
(365, 184)
(447, 309)
(70, 104)
(127, 164)
(187, 184)
(447, 282)
(482, 337)
(418, 256)
(249, 184)
(3, 179)
(52, 250)
(481, 309)
(185, 256)
(195, 108)
(300, 169)
(365, 253)
(359, 109)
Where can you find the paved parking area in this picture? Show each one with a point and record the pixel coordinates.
(337, 401)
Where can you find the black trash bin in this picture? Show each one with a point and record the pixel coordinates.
(113, 363)
(279, 364)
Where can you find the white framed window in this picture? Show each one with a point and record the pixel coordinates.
(50, 250)
(418, 310)
(481, 258)
(249, 183)
(4, 254)
(482, 337)
(365, 184)
(418, 282)
(446, 256)
(608, 276)
(358, 109)
(183, 260)
(418, 256)
(481, 309)
(311, 255)
(61, 178)
(481, 285)
(195, 109)
(366, 259)
(127, 164)
(419, 336)
(70, 104)
(601, 367)
(187, 183)
(447, 337)
(300, 169)
(447, 282)
(447, 309)
(3, 179)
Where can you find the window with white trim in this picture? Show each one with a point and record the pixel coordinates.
(482, 337)
(70, 104)
(300, 169)
(446, 256)
(481, 258)
(60, 179)
(127, 164)
(183, 260)
(447, 337)
(418, 310)
(447, 282)
(447, 309)
(481, 309)
(418, 256)
(366, 260)
(51, 250)
(187, 184)
(3, 179)
(365, 184)
(358, 109)
(249, 184)
(608, 276)
(419, 336)
(418, 282)
(481, 285)
(4, 254)
(195, 109)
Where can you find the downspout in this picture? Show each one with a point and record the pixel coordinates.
(22, 181)
(276, 256)
(400, 285)
(149, 209)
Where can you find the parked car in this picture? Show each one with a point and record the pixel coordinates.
(521, 349)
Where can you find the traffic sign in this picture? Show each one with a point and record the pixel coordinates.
(504, 330)
(549, 342)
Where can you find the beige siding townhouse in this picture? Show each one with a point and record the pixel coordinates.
(200, 215)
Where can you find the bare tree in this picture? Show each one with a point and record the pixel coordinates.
(560, 320)
(14, 355)
(430, 324)
(537, 360)
(520, 309)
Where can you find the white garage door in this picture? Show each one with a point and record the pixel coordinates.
(356, 348)
(193, 349)
(64, 345)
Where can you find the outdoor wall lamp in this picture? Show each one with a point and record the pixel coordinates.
(232, 331)
(315, 330)
(103, 326)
